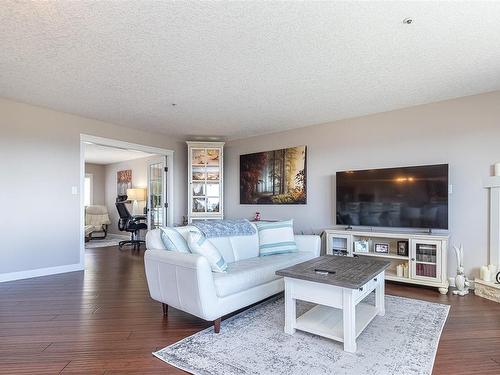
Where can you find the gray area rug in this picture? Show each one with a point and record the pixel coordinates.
(404, 341)
(110, 240)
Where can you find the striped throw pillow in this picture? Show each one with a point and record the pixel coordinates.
(173, 240)
(276, 238)
(198, 244)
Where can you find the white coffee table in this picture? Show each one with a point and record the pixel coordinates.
(338, 292)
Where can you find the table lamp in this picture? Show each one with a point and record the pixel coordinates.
(137, 194)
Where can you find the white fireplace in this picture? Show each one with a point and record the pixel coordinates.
(493, 185)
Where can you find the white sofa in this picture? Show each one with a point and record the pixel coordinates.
(186, 281)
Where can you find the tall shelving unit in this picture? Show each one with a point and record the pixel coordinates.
(205, 180)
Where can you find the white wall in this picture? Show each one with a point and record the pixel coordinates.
(139, 169)
(42, 215)
(463, 132)
(98, 179)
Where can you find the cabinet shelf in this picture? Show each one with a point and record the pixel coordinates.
(381, 255)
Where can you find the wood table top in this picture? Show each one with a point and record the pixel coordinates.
(342, 271)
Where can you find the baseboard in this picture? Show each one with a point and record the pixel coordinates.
(11, 276)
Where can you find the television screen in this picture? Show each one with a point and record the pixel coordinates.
(406, 197)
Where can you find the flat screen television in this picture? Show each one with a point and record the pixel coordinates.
(405, 197)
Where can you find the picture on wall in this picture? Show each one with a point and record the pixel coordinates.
(123, 182)
(274, 177)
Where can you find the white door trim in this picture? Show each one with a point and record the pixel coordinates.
(125, 145)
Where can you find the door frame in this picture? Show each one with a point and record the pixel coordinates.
(169, 154)
(160, 159)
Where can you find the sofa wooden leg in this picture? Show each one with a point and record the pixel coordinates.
(165, 309)
(217, 325)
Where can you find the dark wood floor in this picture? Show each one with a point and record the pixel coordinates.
(104, 322)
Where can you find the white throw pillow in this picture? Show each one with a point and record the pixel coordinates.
(198, 244)
(276, 237)
(173, 240)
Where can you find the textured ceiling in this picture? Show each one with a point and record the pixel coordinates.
(97, 154)
(244, 68)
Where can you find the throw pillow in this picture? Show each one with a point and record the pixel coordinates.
(198, 244)
(276, 237)
(173, 240)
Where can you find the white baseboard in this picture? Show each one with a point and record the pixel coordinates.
(11, 276)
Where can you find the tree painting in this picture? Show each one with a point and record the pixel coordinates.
(274, 177)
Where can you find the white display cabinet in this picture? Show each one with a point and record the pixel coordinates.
(205, 180)
(424, 262)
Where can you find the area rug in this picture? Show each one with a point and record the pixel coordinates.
(404, 341)
(110, 240)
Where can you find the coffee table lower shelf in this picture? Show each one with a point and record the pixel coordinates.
(328, 321)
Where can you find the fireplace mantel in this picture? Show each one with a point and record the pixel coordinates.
(493, 185)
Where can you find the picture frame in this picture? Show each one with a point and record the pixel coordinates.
(361, 246)
(403, 248)
(381, 248)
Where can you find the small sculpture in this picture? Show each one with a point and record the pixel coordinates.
(461, 282)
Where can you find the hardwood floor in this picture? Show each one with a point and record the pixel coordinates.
(104, 322)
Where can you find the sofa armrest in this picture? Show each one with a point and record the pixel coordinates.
(183, 281)
(308, 243)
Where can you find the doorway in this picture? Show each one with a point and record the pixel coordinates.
(151, 192)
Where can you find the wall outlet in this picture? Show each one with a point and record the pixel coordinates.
(74, 190)
(450, 189)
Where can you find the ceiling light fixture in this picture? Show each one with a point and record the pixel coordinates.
(407, 21)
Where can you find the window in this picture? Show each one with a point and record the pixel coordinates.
(87, 190)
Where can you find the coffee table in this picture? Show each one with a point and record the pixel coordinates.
(337, 284)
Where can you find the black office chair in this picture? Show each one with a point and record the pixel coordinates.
(132, 224)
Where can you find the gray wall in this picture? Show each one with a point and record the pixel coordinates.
(463, 132)
(98, 179)
(43, 216)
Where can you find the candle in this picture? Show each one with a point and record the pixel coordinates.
(493, 269)
(497, 169)
(399, 270)
(487, 275)
(405, 271)
(482, 271)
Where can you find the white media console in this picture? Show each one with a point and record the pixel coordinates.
(424, 262)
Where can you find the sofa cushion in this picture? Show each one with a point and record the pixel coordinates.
(173, 240)
(276, 237)
(198, 244)
(248, 273)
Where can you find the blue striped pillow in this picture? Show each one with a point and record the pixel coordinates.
(173, 240)
(276, 238)
(198, 244)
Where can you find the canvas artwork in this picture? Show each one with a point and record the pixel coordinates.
(274, 177)
(123, 182)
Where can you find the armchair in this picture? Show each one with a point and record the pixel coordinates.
(96, 222)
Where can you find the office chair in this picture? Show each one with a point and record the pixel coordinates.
(132, 224)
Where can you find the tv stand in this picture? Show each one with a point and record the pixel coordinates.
(425, 259)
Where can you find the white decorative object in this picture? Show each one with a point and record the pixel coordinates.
(426, 261)
(399, 270)
(492, 268)
(461, 282)
(205, 177)
(497, 169)
(486, 274)
(406, 270)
